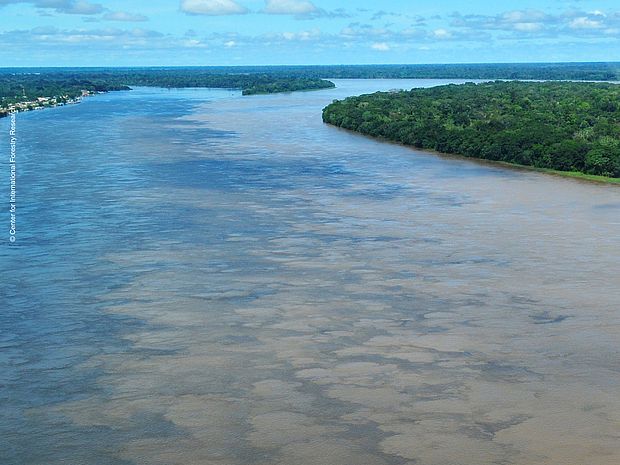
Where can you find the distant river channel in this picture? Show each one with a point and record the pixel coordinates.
(201, 278)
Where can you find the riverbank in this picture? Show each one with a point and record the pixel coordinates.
(27, 89)
(563, 127)
(42, 103)
(590, 178)
(255, 86)
(565, 174)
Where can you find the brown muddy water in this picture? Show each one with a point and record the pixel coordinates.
(208, 279)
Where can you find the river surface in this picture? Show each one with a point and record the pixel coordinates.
(202, 278)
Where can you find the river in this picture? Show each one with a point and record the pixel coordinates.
(208, 279)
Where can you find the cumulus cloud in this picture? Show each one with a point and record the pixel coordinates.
(82, 7)
(536, 24)
(301, 9)
(442, 34)
(124, 16)
(382, 13)
(52, 35)
(357, 30)
(301, 36)
(194, 43)
(289, 7)
(583, 22)
(407, 34)
(515, 20)
(75, 7)
(523, 16)
(212, 7)
(380, 46)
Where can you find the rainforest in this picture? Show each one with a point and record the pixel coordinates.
(564, 126)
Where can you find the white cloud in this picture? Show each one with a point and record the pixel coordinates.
(82, 7)
(523, 16)
(271, 38)
(194, 43)
(528, 27)
(289, 7)
(597, 13)
(52, 35)
(364, 30)
(380, 46)
(535, 24)
(230, 44)
(123, 16)
(442, 34)
(518, 21)
(212, 7)
(296, 36)
(585, 23)
(74, 7)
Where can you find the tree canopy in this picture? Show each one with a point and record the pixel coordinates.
(566, 126)
(19, 85)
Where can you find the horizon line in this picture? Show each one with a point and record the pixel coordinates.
(319, 65)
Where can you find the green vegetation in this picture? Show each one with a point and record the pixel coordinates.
(563, 126)
(18, 85)
(250, 83)
(486, 71)
(287, 85)
(522, 71)
(21, 87)
(18, 88)
(25, 87)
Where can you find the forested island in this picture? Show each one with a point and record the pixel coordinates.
(27, 89)
(275, 86)
(564, 126)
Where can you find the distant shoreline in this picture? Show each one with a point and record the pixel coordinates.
(42, 103)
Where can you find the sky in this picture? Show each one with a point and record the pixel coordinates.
(277, 32)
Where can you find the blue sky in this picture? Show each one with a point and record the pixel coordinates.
(237, 32)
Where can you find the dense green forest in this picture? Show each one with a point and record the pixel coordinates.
(523, 71)
(287, 85)
(28, 85)
(490, 71)
(18, 88)
(565, 126)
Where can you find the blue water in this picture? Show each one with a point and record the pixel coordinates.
(204, 278)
